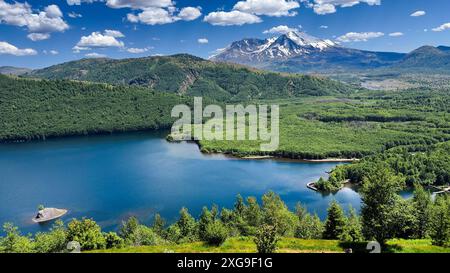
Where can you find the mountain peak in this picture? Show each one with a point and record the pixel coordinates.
(285, 46)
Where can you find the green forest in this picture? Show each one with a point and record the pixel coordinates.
(190, 75)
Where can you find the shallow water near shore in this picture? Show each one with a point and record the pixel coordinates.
(112, 177)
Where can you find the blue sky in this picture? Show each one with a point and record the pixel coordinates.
(39, 33)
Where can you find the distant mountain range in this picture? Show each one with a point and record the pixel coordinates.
(11, 70)
(300, 52)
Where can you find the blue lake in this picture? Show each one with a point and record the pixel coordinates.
(112, 177)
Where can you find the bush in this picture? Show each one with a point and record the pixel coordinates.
(14, 242)
(53, 241)
(216, 233)
(113, 240)
(266, 239)
(87, 233)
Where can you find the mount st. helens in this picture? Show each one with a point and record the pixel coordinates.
(300, 52)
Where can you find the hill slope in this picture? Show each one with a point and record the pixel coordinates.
(185, 74)
(11, 70)
(427, 58)
(36, 109)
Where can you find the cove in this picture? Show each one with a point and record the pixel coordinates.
(112, 177)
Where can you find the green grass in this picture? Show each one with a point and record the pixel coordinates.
(285, 245)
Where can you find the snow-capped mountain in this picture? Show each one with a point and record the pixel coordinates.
(298, 51)
(282, 47)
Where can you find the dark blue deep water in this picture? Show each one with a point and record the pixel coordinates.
(110, 178)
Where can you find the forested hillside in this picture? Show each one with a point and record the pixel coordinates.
(36, 109)
(186, 74)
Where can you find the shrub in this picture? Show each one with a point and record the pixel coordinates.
(13, 242)
(266, 239)
(53, 241)
(87, 233)
(216, 233)
(113, 240)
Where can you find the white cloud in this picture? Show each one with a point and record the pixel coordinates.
(52, 52)
(113, 33)
(202, 41)
(189, 13)
(235, 17)
(283, 29)
(95, 55)
(396, 34)
(329, 6)
(22, 15)
(38, 36)
(268, 7)
(160, 16)
(418, 13)
(74, 15)
(7, 48)
(152, 16)
(78, 2)
(442, 27)
(139, 4)
(135, 50)
(359, 36)
(324, 9)
(99, 40)
(323, 26)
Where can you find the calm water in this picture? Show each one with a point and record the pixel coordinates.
(112, 177)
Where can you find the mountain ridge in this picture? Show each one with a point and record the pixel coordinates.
(185, 74)
(300, 52)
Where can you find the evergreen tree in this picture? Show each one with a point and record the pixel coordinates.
(353, 230)
(158, 224)
(187, 225)
(335, 223)
(422, 210)
(440, 223)
(379, 197)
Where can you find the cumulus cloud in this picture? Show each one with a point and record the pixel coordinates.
(7, 48)
(113, 33)
(442, 27)
(202, 41)
(359, 36)
(235, 17)
(150, 12)
(135, 50)
(323, 26)
(159, 16)
(329, 6)
(324, 9)
(418, 13)
(99, 40)
(189, 13)
(38, 36)
(281, 29)
(22, 15)
(396, 34)
(248, 12)
(95, 55)
(268, 7)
